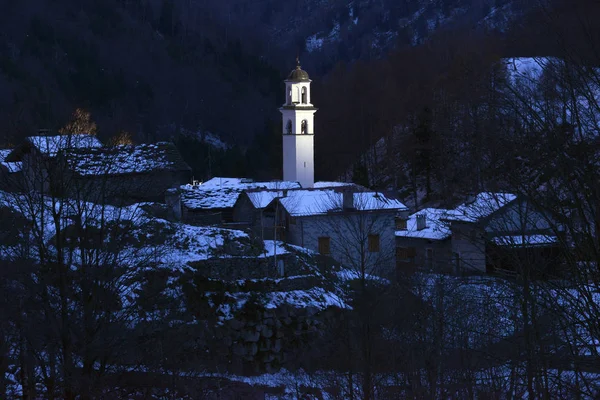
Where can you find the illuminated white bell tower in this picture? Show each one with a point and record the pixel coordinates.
(298, 129)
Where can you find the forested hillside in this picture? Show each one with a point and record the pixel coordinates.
(156, 68)
(447, 110)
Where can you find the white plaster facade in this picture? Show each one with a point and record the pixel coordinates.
(298, 130)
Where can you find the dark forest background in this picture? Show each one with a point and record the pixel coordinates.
(160, 68)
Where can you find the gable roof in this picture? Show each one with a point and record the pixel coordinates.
(51, 145)
(196, 198)
(218, 193)
(484, 205)
(300, 203)
(125, 159)
(435, 227)
(245, 183)
(261, 198)
(11, 167)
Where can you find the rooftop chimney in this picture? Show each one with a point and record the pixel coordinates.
(421, 221)
(470, 198)
(348, 200)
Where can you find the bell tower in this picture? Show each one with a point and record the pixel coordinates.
(298, 129)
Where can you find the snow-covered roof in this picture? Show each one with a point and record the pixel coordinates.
(10, 166)
(126, 159)
(198, 198)
(316, 202)
(224, 192)
(325, 184)
(245, 183)
(482, 206)
(525, 240)
(435, 228)
(51, 145)
(260, 199)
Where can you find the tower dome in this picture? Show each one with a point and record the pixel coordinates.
(298, 74)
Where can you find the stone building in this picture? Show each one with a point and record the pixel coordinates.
(424, 241)
(41, 164)
(354, 228)
(11, 173)
(79, 165)
(127, 173)
(216, 201)
(488, 233)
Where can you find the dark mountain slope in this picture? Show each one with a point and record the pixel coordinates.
(132, 65)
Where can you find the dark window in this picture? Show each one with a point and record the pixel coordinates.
(406, 254)
(304, 101)
(373, 243)
(429, 257)
(288, 127)
(456, 260)
(304, 127)
(401, 224)
(325, 245)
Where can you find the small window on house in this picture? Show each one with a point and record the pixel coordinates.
(373, 243)
(304, 98)
(304, 127)
(456, 262)
(400, 224)
(406, 254)
(324, 245)
(281, 267)
(288, 127)
(429, 258)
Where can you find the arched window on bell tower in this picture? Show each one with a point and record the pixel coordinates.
(289, 96)
(304, 127)
(304, 96)
(288, 127)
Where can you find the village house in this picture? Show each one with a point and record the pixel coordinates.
(11, 173)
(424, 241)
(39, 157)
(354, 228)
(213, 202)
(79, 165)
(489, 233)
(127, 173)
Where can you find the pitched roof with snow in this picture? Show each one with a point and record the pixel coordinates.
(325, 184)
(245, 183)
(317, 202)
(525, 240)
(484, 205)
(435, 228)
(10, 166)
(260, 199)
(125, 159)
(224, 192)
(51, 145)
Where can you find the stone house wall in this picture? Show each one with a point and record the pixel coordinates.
(348, 233)
(440, 252)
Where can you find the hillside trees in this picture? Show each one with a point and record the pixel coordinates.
(74, 274)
